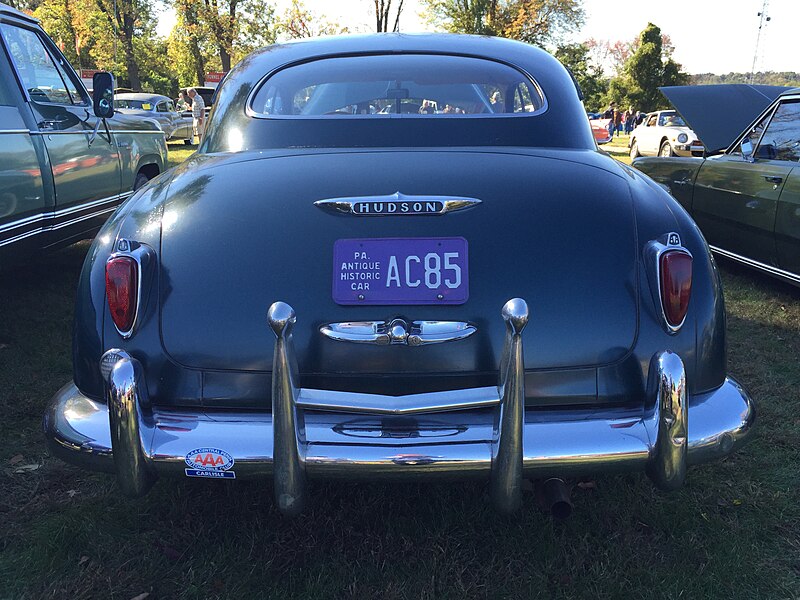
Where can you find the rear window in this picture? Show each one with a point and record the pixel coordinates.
(134, 104)
(383, 86)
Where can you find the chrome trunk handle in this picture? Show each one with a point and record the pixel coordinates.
(398, 332)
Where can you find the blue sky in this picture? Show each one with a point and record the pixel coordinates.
(716, 36)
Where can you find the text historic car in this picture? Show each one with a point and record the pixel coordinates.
(399, 256)
(746, 195)
(63, 169)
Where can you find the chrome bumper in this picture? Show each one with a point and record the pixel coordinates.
(483, 432)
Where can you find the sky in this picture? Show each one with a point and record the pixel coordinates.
(710, 36)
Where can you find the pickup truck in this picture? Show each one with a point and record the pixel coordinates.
(60, 175)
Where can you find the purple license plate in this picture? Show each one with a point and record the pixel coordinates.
(400, 271)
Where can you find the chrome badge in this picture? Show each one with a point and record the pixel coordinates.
(396, 204)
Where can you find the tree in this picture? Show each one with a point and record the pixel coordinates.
(237, 26)
(538, 22)
(649, 67)
(383, 9)
(127, 18)
(189, 33)
(589, 76)
(298, 22)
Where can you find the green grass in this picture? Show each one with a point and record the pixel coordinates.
(732, 532)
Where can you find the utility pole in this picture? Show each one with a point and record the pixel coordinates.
(763, 20)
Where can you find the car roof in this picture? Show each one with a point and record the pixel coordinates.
(5, 9)
(141, 96)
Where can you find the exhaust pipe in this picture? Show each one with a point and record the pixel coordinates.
(555, 495)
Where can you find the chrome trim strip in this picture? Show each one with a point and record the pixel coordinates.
(401, 205)
(49, 216)
(398, 332)
(87, 132)
(64, 211)
(13, 131)
(408, 404)
(769, 269)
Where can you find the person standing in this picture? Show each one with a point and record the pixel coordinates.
(609, 114)
(181, 104)
(618, 122)
(198, 113)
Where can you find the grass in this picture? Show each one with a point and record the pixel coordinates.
(732, 532)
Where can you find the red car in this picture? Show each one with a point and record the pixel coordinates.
(600, 130)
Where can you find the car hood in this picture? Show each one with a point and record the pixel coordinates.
(240, 234)
(719, 113)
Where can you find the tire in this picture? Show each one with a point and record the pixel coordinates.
(140, 180)
(666, 149)
(634, 150)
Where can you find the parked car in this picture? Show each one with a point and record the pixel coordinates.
(60, 178)
(600, 129)
(745, 196)
(159, 108)
(664, 133)
(470, 294)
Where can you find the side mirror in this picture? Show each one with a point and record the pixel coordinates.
(747, 149)
(103, 95)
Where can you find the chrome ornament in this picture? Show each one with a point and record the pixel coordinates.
(396, 204)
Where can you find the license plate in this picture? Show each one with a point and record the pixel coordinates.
(400, 271)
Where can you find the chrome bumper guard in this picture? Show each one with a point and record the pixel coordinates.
(460, 433)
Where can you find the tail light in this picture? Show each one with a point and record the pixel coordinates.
(122, 291)
(675, 268)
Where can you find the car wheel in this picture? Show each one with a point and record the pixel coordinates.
(140, 180)
(666, 149)
(634, 150)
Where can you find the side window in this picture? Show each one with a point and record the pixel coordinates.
(781, 140)
(162, 107)
(43, 78)
(651, 122)
(170, 106)
(522, 99)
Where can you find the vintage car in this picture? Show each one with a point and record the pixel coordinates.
(161, 109)
(664, 133)
(746, 195)
(326, 290)
(600, 128)
(63, 171)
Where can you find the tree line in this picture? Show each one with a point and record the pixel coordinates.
(212, 35)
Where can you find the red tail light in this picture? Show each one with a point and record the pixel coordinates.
(122, 286)
(676, 286)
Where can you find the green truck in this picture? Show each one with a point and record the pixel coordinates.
(61, 172)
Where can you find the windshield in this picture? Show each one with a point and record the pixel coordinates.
(136, 104)
(411, 84)
(671, 120)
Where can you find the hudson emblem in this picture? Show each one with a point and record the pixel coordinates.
(396, 204)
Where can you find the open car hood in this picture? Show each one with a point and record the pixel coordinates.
(719, 113)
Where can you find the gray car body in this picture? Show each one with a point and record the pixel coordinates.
(175, 125)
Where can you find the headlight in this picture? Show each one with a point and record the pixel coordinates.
(683, 138)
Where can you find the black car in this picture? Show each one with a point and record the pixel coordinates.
(399, 256)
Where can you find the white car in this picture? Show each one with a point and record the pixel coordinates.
(664, 133)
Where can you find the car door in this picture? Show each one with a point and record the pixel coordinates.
(85, 170)
(23, 201)
(166, 118)
(787, 222)
(646, 139)
(736, 200)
